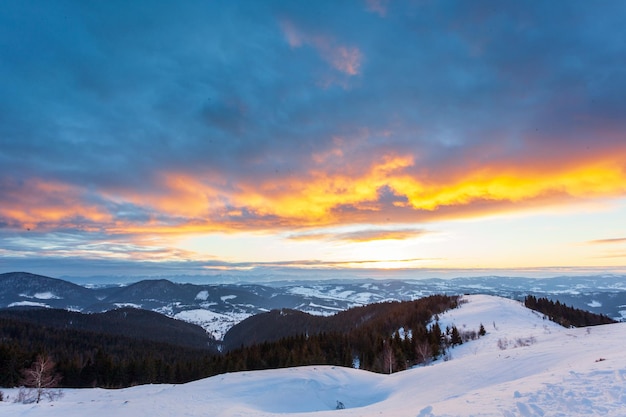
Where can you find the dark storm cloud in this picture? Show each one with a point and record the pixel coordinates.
(109, 93)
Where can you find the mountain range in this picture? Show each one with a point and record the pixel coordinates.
(218, 307)
(525, 366)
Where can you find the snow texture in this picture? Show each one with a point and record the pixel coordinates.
(28, 304)
(42, 296)
(130, 305)
(214, 323)
(202, 295)
(563, 372)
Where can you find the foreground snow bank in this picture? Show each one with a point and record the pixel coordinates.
(563, 372)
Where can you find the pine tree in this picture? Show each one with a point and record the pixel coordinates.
(388, 356)
(455, 338)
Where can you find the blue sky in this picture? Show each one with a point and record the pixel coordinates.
(227, 135)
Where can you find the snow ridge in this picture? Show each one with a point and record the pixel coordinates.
(558, 372)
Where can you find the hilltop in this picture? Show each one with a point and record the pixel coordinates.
(524, 366)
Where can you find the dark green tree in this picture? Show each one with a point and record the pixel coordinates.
(455, 337)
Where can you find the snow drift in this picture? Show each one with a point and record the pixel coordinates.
(524, 366)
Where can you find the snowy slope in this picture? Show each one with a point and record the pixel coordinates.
(216, 324)
(561, 372)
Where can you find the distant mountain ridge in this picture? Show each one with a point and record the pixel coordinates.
(218, 307)
(30, 289)
(123, 346)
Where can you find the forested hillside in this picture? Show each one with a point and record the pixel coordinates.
(86, 359)
(137, 323)
(565, 315)
(382, 337)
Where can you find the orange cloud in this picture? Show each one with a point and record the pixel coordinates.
(334, 191)
(516, 184)
(181, 195)
(45, 204)
(320, 198)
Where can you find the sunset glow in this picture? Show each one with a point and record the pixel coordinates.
(312, 135)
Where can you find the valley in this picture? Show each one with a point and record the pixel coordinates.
(559, 372)
(218, 307)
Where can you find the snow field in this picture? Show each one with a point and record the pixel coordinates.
(562, 372)
(216, 324)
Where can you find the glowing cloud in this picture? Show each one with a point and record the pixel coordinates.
(320, 198)
(340, 130)
(41, 204)
(182, 203)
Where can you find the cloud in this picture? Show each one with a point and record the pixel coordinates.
(95, 246)
(361, 263)
(361, 235)
(389, 189)
(167, 120)
(121, 269)
(608, 241)
(37, 203)
(346, 59)
(377, 6)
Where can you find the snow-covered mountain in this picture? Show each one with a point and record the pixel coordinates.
(218, 307)
(524, 366)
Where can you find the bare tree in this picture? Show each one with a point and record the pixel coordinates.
(42, 378)
(423, 351)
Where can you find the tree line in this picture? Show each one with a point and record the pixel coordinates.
(405, 335)
(564, 315)
(90, 359)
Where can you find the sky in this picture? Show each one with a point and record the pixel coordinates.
(210, 136)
